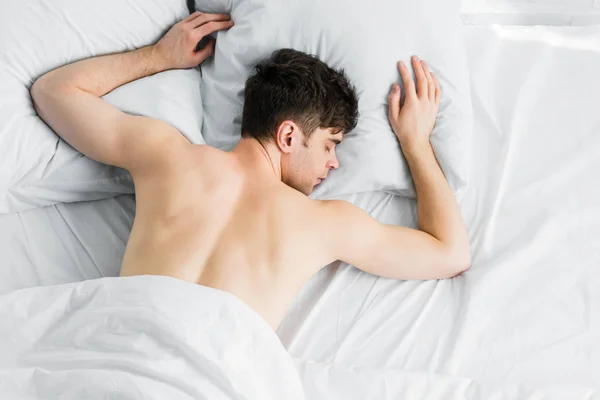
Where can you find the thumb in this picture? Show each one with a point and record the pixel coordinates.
(206, 51)
(394, 100)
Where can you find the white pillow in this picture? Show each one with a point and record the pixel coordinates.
(366, 39)
(36, 167)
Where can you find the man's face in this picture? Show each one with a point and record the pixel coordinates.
(311, 159)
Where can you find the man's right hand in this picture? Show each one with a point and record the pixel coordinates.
(414, 120)
(177, 48)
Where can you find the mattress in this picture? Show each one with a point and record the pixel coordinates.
(522, 323)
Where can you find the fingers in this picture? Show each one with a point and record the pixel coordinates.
(206, 51)
(438, 90)
(394, 101)
(422, 84)
(430, 83)
(192, 16)
(409, 84)
(197, 14)
(204, 18)
(211, 27)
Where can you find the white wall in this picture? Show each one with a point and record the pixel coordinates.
(532, 12)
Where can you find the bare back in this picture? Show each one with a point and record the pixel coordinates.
(206, 221)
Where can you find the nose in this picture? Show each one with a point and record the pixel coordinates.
(334, 163)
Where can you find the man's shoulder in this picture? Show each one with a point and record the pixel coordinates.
(212, 163)
(322, 215)
(337, 217)
(200, 169)
(333, 208)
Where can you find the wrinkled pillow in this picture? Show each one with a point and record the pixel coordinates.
(37, 168)
(366, 39)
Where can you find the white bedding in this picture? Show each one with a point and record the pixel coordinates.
(64, 243)
(147, 337)
(37, 168)
(523, 323)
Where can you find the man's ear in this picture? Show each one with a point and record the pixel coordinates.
(288, 136)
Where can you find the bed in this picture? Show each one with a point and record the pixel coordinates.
(522, 323)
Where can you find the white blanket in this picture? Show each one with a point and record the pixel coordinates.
(144, 337)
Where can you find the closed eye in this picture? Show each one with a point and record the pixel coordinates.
(335, 142)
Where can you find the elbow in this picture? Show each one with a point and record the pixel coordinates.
(463, 265)
(39, 87)
(36, 96)
(42, 90)
(35, 89)
(459, 263)
(48, 83)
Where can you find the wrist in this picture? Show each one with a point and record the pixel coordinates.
(416, 147)
(157, 58)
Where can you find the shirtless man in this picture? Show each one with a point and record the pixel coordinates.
(241, 221)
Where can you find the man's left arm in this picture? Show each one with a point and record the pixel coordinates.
(68, 98)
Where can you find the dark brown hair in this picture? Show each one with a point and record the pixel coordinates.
(292, 85)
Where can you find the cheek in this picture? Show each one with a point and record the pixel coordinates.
(311, 161)
(319, 161)
(302, 163)
(326, 158)
(308, 159)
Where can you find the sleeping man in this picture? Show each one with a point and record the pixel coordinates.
(241, 221)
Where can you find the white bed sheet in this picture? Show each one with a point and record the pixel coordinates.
(523, 323)
(64, 243)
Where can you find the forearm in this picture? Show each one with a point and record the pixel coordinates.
(438, 212)
(100, 75)
(68, 100)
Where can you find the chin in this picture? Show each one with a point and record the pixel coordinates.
(303, 186)
(306, 190)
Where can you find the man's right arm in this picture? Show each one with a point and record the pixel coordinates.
(69, 99)
(440, 248)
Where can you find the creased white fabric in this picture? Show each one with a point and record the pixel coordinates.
(148, 337)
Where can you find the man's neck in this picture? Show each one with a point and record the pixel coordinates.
(259, 156)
